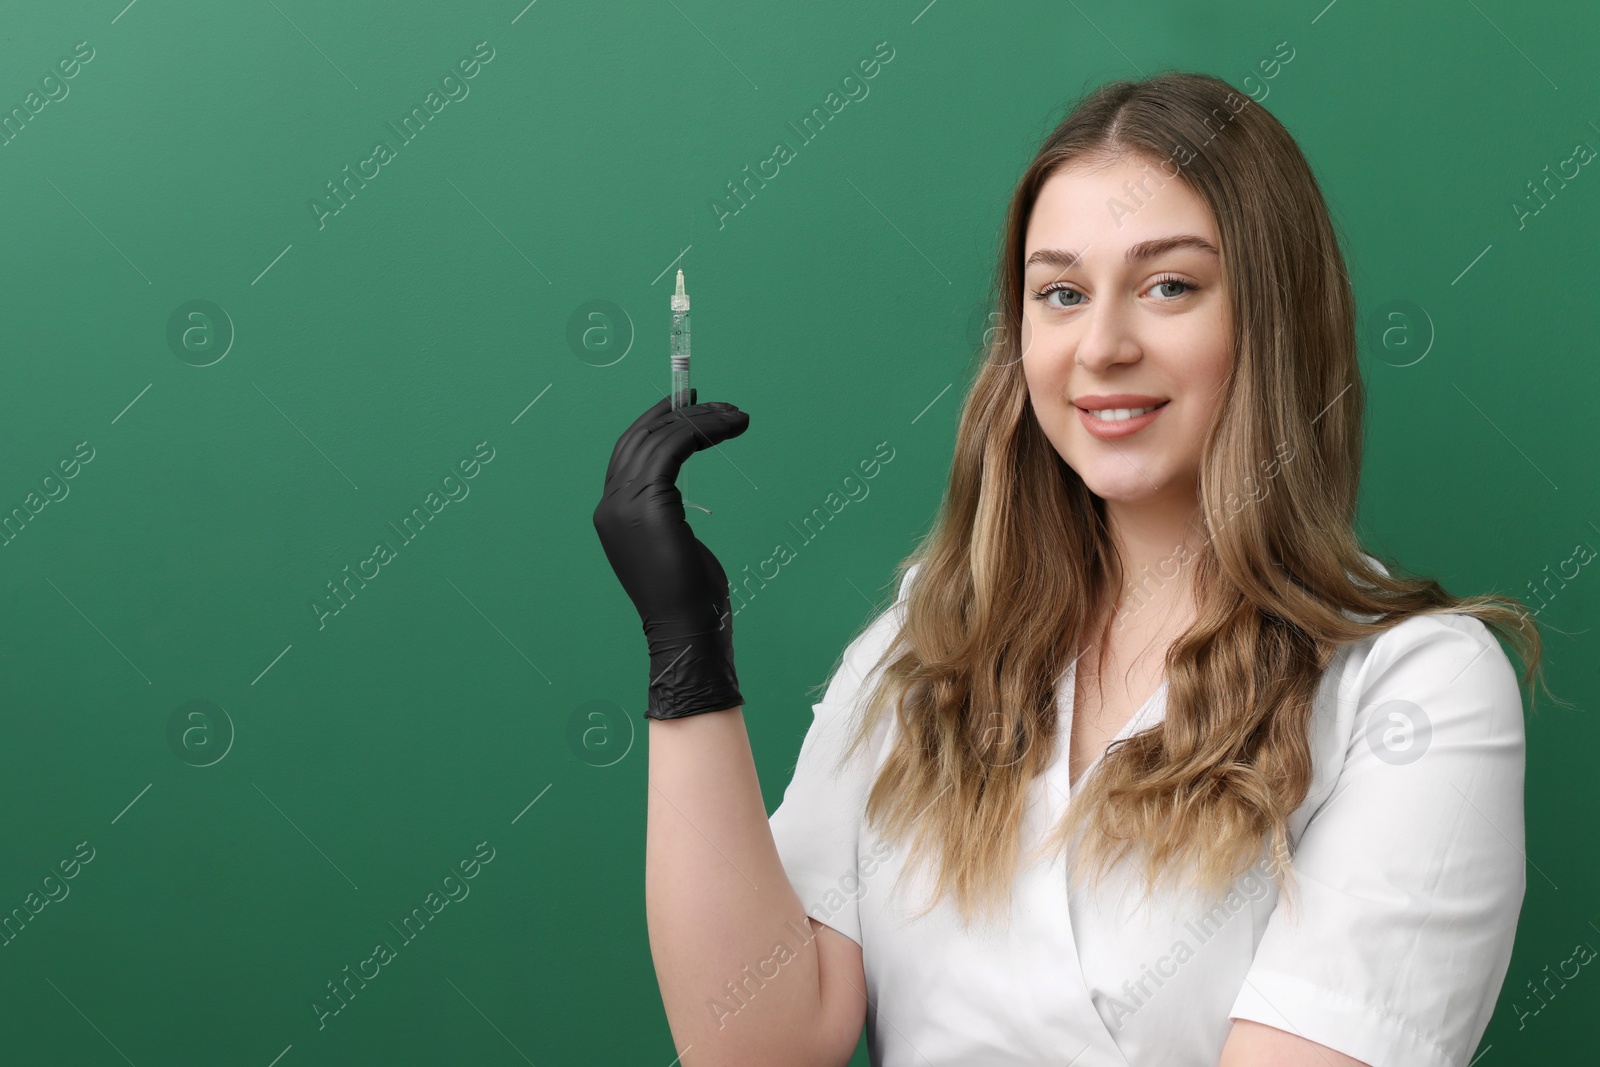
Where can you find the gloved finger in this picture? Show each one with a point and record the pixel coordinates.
(637, 427)
(656, 458)
(692, 420)
(680, 434)
(637, 443)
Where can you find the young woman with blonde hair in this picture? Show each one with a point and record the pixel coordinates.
(1295, 776)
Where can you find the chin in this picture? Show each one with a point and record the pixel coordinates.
(1127, 485)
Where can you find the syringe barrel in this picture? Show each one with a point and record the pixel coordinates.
(680, 359)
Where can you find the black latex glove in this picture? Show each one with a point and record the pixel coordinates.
(678, 587)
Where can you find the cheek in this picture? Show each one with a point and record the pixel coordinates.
(1030, 371)
(1209, 394)
(1042, 364)
(1042, 381)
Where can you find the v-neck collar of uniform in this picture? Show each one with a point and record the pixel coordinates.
(1152, 711)
(1092, 1038)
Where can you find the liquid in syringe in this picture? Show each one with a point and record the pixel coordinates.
(680, 346)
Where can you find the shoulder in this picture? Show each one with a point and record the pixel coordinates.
(1437, 686)
(1417, 648)
(1430, 706)
(1437, 653)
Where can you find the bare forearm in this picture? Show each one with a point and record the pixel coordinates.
(719, 904)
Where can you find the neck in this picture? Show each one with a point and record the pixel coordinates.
(1155, 539)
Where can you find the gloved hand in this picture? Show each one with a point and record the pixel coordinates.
(678, 587)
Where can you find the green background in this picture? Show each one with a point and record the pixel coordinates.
(350, 766)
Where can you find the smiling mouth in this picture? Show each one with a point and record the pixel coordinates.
(1115, 415)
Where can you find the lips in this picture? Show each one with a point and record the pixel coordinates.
(1110, 430)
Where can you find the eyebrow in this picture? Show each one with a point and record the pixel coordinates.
(1066, 259)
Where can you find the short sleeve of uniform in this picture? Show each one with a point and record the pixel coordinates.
(817, 825)
(1409, 878)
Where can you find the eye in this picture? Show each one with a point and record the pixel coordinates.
(1043, 295)
(1185, 287)
(1189, 286)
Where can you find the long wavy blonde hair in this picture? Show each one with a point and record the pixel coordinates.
(1020, 560)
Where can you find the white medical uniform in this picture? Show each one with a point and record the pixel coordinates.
(1408, 861)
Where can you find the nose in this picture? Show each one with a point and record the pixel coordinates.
(1107, 338)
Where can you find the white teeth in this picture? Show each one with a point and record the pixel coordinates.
(1122, 414)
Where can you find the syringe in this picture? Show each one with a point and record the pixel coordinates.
(680, 346)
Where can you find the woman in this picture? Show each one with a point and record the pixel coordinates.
(1296, 816)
